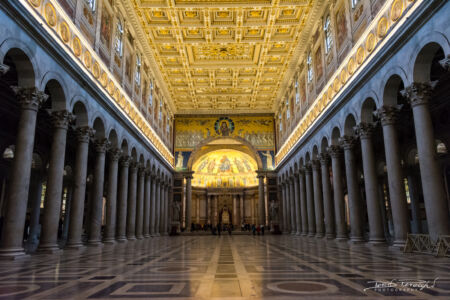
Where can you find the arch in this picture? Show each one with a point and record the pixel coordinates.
(56, 95)
(393, 85)
(324, 145)
(349, 125)
(112, 137)
(134, 155)
(335, 135)
(124, 146)
(315, 153)
(307, 157)
(301, 162)
(367, 109)
(141, 160)
(23, 62)
(425, 63)
(81, 113)
(200, 150)
(99, 128)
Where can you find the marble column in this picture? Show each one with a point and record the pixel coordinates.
(157, 206)
(131, 205)
(338, 192)
(318, 199)
(83, 135)
(435, 199)
(293, 222)
(261, 202)
(95, 227)
(153, 206)
(310, 200)
(327, 198)
(416, 222)
(166, 210)
(140, 204)
(53, 193)
(147, 193)
(241, 202)
(354, 195)
(216, 219)
(235, 219)
(285, 212)
(376, 231)
(188, 202)
(298, 224)
(34, 198)
(162, 208)
(16, 203)
(111, 196)
(303, 202)
(397, 195)
(208, 209)
(122, 200)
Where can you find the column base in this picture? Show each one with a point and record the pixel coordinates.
(311, 234)
(341, 238)
(152, 234)
(357, 240)
(49, 249)
(158, 234)
(293, 232)
(146, 235)
(131, 238)
(109, 241)
(319, 235)
(298, 233)
(94, 243)
(377, 242)
(75, 246)
(121, 239)
(399, 244)
(140, 237)
(330, 236)
(13, 254)
(304, 234)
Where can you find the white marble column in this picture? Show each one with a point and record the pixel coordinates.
(153, 206)
(188, 201)
(131, 201)
(298, 220)
(327, 198)
(147, 194)
(111, 197)
(310, 201)
(261, 203)
(303, 205)
(338, 192)
(318, 199)
(292, 204)
(122, 199)
(140, 204)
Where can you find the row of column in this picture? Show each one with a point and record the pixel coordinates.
(212, 209)
(313, 206)
(138, 205)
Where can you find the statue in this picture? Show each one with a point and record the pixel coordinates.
(179, 161)
(269, 160)
(176, 211)
(274, 211)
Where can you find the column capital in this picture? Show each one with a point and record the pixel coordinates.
(388, 114)
(62, 119)
(4, 69)
(84, 134)
(125, 161)
(347, 142)
(324, 158)
(148, 172)
(260, 174)
(101, 145)
(29, 98)
(335, 151)
(307, 168)
(133, 165)
(419, 93)
(115, 154)
(141, 170)
(364, 130)
(315, 163)
(445, 63)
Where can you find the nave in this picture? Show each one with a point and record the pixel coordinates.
(226, 267)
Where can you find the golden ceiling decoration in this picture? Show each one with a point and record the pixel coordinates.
(227, 55)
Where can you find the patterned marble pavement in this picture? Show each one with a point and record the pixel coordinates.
(227, 267)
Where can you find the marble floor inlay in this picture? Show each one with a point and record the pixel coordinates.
(227, 267)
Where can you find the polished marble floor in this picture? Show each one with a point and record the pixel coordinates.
(227, 267)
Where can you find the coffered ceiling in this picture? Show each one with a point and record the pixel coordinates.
(227, 56)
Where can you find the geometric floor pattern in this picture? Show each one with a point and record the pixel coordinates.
(227, 267)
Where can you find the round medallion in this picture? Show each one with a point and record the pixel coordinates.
(336, 85)
(343, 76)
(396, 10)
(111, 88)
(382, 27)
(64, 32)
(330, 93)
(87, 59)
(370, 42)
(360, 55)
(351, 66)
(76, 46)
(96, 70)
(104, 79)
(224, 126)
(50, 14)
(35, 3)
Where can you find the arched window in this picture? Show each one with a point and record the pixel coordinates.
(280, 120)
(310, 69)
(328, 35)
(137, 76)
(150, 99)
(119, 39)
(354, 3)
(160, 109)
(297, 92)
(91, 4)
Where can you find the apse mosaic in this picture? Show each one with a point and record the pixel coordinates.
(225, 168)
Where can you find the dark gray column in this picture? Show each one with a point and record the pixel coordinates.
(376, 235)
(83, 135)
(208, 209)
(122, 200)
(131, 206)
(53, 193)
(298, 224)
(188, 202)
(166, 210)
(242, 198)
(397, 195)
(140, 204)
(435, 199)
(153, 206)
(111, 197)
(310, 200)
(318, 199)
(327, 198)
(147, 193)
(303, 202)
(285, 212)
(95, 228)
(338, 192)
(261, 204)
(158, 206)
(35, 199)
(16, 203)
(416, 222)
(293, 222)
(354, 195)
(162, 213)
